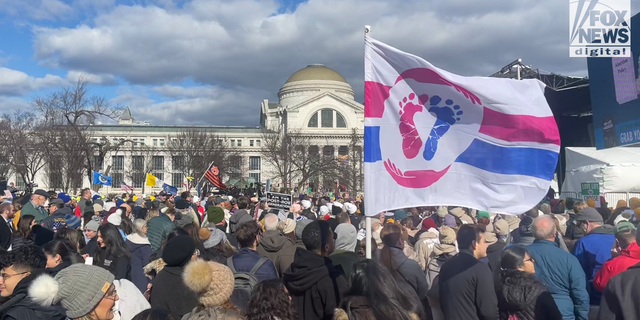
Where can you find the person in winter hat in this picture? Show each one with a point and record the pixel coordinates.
(461, 215)
(442, 252)
(213, 283)
(21, 268)
(275, 246)
(627, 254)
(216, 246)
(288, 228)
(345, 253)
(169, 291)
(300, 225)
(84, 291)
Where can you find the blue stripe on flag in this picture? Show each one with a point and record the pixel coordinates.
(372, 152)
(533, 162)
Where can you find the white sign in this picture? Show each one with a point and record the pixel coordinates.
(599, 28)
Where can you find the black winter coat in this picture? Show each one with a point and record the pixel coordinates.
(522, 295)
(21, 307)
(409, 275)
(494, 252)
(620, 297)
(140, 253)
(315, 286)
(170, 293)
(120, 267)
(466, 289)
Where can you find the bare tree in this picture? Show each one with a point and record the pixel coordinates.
(193, 150)
(75, 110)
(22, 140)
(350, 166)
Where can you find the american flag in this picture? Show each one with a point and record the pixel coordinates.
(213, 175)
(126, 187)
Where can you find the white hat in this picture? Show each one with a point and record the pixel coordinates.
(323, 210)
(306, 204)
(621, 217)
(196, 199)
(338, 204)
(109, 205)
(115, 218)
(351, 208)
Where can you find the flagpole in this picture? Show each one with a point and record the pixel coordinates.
(202, 177)
(367, 224)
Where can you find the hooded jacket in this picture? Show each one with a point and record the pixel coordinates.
(344, 259)
(627, 258)
(592, 251)
(424, 247)
(21, 306)
(278, 248)
(315, 286)
(494, 252)
(564, 277)
(140, 250)
(526, 298)
(620, 298)
(57, 220)
(239, 217)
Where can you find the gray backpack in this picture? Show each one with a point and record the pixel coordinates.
(244, 282)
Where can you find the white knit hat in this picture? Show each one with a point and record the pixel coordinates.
(306, 204)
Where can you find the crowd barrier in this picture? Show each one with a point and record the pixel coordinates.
(611, 197)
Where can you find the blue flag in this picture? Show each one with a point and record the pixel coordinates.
(169, 189)
(99, 178)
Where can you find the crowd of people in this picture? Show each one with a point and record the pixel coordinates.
(180, 257)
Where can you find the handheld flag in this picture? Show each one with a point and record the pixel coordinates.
(99, 178)
(213, 175)
(435, 138)
(126, 187)
(169, 189)
(150, 181)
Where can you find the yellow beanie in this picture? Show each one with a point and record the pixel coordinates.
(621, 203)
(636, 213)
(591, 202)
(634, 203)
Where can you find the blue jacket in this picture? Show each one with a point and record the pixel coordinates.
(247, 258)
(592, 251)
(564, 277)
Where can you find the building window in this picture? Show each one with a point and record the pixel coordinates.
(117, 178)
(141, 141)
(343, 150)
(313, 122)
(177, 179)
(157, 168)
(20, 182)
(233, 143)
(250, 143)
(117, 162)
(137, 163)
(162, 142)
(327, 118)
(340, 123)
(177, 162)
(257, 143)
(97, 163)
(254, 163)
(239, 143)
(155, 142)
(255, 176)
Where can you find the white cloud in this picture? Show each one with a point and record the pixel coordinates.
(102, 79)
(17, 83)
(247, 48)
(36, 9)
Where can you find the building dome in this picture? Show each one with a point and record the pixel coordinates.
(316, 72)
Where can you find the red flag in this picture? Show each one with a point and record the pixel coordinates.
(213, 175)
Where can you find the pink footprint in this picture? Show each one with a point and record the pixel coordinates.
(411, 141)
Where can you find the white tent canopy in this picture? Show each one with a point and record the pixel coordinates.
(616, 169)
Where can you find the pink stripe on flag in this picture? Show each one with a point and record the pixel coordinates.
(375, 94)
(514, 128)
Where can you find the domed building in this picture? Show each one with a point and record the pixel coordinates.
(316, 111)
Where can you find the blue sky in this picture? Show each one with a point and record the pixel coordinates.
(214, 61)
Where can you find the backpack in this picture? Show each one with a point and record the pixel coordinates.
(244, 282)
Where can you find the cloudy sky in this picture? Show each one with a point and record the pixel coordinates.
(213, 61)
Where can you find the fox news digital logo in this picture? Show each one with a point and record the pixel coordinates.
(599, 28)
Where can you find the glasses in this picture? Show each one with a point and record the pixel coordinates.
(530, 259)
(7, 276)
(111, 294)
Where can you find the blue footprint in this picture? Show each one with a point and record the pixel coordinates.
(446, 116)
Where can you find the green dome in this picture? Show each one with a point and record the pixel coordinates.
(316, 72)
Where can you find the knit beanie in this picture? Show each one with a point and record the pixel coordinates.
(501, 227)
(306, 204)
(400, 214)
(442, 212)
(93, 225)
(287, 226)
(211, 281)
(624, 226)
(484, 214)
(623, 216)
(300, 225)
(591, 202)
(346, 237)
(428, 223)
(447, 235)
(526, 226)
(323, 211)
(215, 237)
(178, 251)
(350, 207)
(621, 203)
(636, 213)
(634, 203)
(215, 214)
(78, 288)
(513, 221)
(490, 237)
(71, 221)
(115, 218)
(450, 221)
